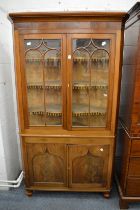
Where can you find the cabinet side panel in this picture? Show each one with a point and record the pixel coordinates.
(124, 159)
(18, 79)
(128, 73)
(135, 128)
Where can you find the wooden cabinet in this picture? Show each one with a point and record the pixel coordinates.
(68, 70)
(129, 175)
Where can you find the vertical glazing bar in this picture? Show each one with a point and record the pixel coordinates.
(89, 87)
(89, 69)
(43, 63)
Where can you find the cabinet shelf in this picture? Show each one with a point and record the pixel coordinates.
(39, 60)
(93, 85)
(75, 87)
(51, 110)
(81, 110)
(94, 59)
(86, 114)
(78, 59)
(49, 85)
(78, 110)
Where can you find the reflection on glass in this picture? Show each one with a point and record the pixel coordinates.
(90, 82)
(43, 76)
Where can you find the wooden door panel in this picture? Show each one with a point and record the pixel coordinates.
(88, 165)
(47, 164)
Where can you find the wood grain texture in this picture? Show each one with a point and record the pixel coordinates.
(88, 165)
(126, 147)
(135, 149)
(134, 167)
(133, 187)
(43, 16)
(47, 163)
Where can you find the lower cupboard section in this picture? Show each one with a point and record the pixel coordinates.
(71, 166)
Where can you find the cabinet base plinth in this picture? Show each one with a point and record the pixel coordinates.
(123, 204)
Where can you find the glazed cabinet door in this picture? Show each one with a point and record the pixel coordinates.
(91, 75)
(46, 164)
(43, 80)
(88, 166)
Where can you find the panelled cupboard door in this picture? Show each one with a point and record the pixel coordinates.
(43, 79)
(88, 165)
(90, 63)
(46, 164)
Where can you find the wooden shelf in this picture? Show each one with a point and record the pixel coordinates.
(78, 110)
(82, 110)
(97, 59)
(93, 85)
(35, 85)
(78, 59)
(49, 85)
(38, 60)
(86, 114)
(75, 87)
(51, 110)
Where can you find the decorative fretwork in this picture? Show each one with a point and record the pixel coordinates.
(91, 48)
(43, 48)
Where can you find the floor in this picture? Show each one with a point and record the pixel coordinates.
(15, 199)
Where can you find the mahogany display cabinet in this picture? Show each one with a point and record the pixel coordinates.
(68, 68)
(129, 175)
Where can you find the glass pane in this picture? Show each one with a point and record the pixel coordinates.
(90, 82)
(43, 76)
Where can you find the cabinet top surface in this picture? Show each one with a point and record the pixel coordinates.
(134, 15)
(68, 15)
(134, 9)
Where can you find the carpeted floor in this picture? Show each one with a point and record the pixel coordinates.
(15, 199)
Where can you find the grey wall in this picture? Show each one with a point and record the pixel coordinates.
(9, 152)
